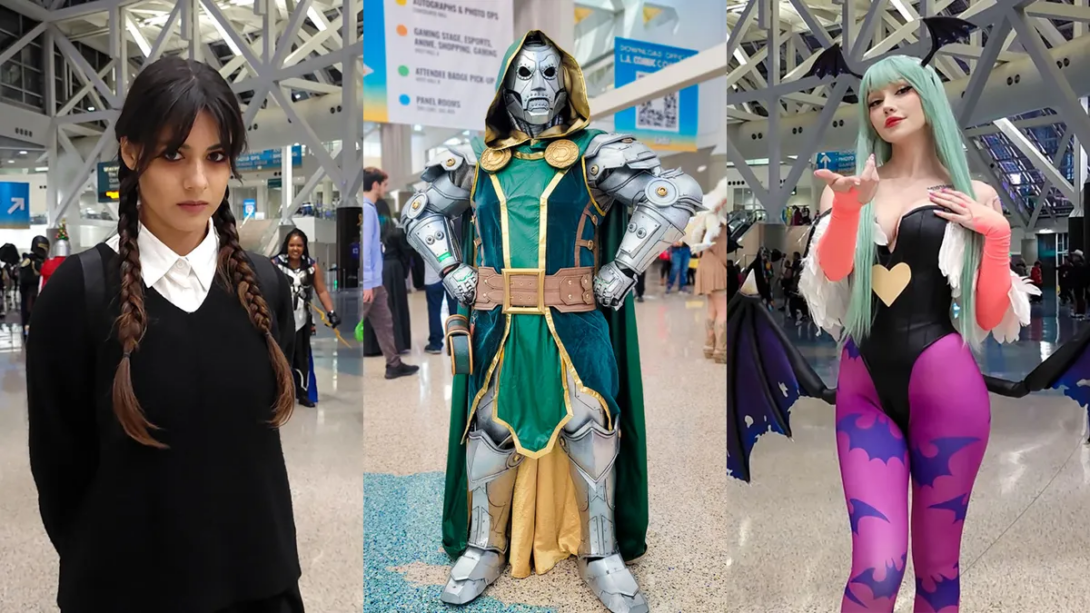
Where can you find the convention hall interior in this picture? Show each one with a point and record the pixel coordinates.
(66, 67)
(407, 419)
(1017, 83)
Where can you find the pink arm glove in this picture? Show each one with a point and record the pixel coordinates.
(836, 252)
(994, 282)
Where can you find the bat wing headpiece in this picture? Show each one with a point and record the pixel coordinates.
(943, 30)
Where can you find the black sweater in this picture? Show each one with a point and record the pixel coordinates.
(190, 529)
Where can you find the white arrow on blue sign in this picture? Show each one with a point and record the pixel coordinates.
(842, 162)
(14, 206)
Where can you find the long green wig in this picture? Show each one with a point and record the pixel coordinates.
(948, 146)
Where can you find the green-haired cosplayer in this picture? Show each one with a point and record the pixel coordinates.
(558, 220)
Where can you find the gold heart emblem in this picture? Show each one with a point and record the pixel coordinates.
(888, 283)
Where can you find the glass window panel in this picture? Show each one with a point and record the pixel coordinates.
(35, 101)
(32, 56)
(9, 21)
(11, 74)
(11, 93)
(32, 81)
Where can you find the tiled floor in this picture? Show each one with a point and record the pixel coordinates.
(322, 448)
(405, 433)
(1027, 536)
(781, 544)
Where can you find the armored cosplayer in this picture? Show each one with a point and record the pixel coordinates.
(547, 450)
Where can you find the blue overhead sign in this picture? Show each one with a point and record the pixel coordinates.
(841, 162)
(269, 159)
(14, 206)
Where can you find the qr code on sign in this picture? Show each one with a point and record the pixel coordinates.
(658, 114)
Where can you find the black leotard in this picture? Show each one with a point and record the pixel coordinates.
(918, 317)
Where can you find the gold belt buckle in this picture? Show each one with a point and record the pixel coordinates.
(508, 273)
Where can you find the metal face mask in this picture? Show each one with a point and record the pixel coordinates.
(533, 86)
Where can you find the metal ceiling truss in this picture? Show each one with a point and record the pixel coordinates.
(772, 43)
(274, 55)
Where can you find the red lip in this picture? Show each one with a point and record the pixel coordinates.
(892, 121)
(193, 203)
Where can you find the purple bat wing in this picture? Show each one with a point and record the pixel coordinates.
(765, 376)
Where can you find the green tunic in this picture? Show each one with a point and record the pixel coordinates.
(528, 215)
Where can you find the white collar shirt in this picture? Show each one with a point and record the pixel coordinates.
(183, 280)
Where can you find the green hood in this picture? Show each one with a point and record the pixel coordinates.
(500, 134)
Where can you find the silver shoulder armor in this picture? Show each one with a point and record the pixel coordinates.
(663, 201)
(427, 217)
(608, 153)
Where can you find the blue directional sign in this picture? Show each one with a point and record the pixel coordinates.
(249, 208)
(14, 206)
(842, 162)
(269, 159)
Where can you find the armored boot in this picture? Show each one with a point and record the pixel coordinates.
(592, 452)
(491, 475)
(709, 338)
(720, 353)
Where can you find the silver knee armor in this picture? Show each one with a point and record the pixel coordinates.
(491, 484)
(490, 471)
(592, 451)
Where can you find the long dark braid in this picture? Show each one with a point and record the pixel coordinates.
(162, 105)
(133, 321)
(234, 269)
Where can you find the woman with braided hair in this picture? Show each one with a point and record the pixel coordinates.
(153, 424)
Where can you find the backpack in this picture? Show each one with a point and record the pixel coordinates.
(94, 282)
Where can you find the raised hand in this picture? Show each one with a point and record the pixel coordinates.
(969, 213)
(866, 184)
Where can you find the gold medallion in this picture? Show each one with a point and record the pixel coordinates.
(495, 159)
(561, 153)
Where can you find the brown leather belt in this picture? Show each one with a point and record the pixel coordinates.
(530, 290)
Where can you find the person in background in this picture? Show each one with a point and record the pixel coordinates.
(641, 285)
(375, 308)
(9, 258)
(806, 216)
(708, 235)
(1063, 279)
(396, 263)
(436, 293)
(664, 266)
(306, 279)
(679, 266)
(1078, 283)
(30, 279)
(57, 254)
(1037, 277)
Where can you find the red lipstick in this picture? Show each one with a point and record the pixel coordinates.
(892, 121)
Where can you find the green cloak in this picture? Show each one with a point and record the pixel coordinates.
(631, 512)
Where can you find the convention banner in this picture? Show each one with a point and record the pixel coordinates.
(433, 62)
(667, 123)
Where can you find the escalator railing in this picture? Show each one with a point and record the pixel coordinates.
(738, 223)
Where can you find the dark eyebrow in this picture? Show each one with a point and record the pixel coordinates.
(185, 147)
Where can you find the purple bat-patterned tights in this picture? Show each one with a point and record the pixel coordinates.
(947, 433)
